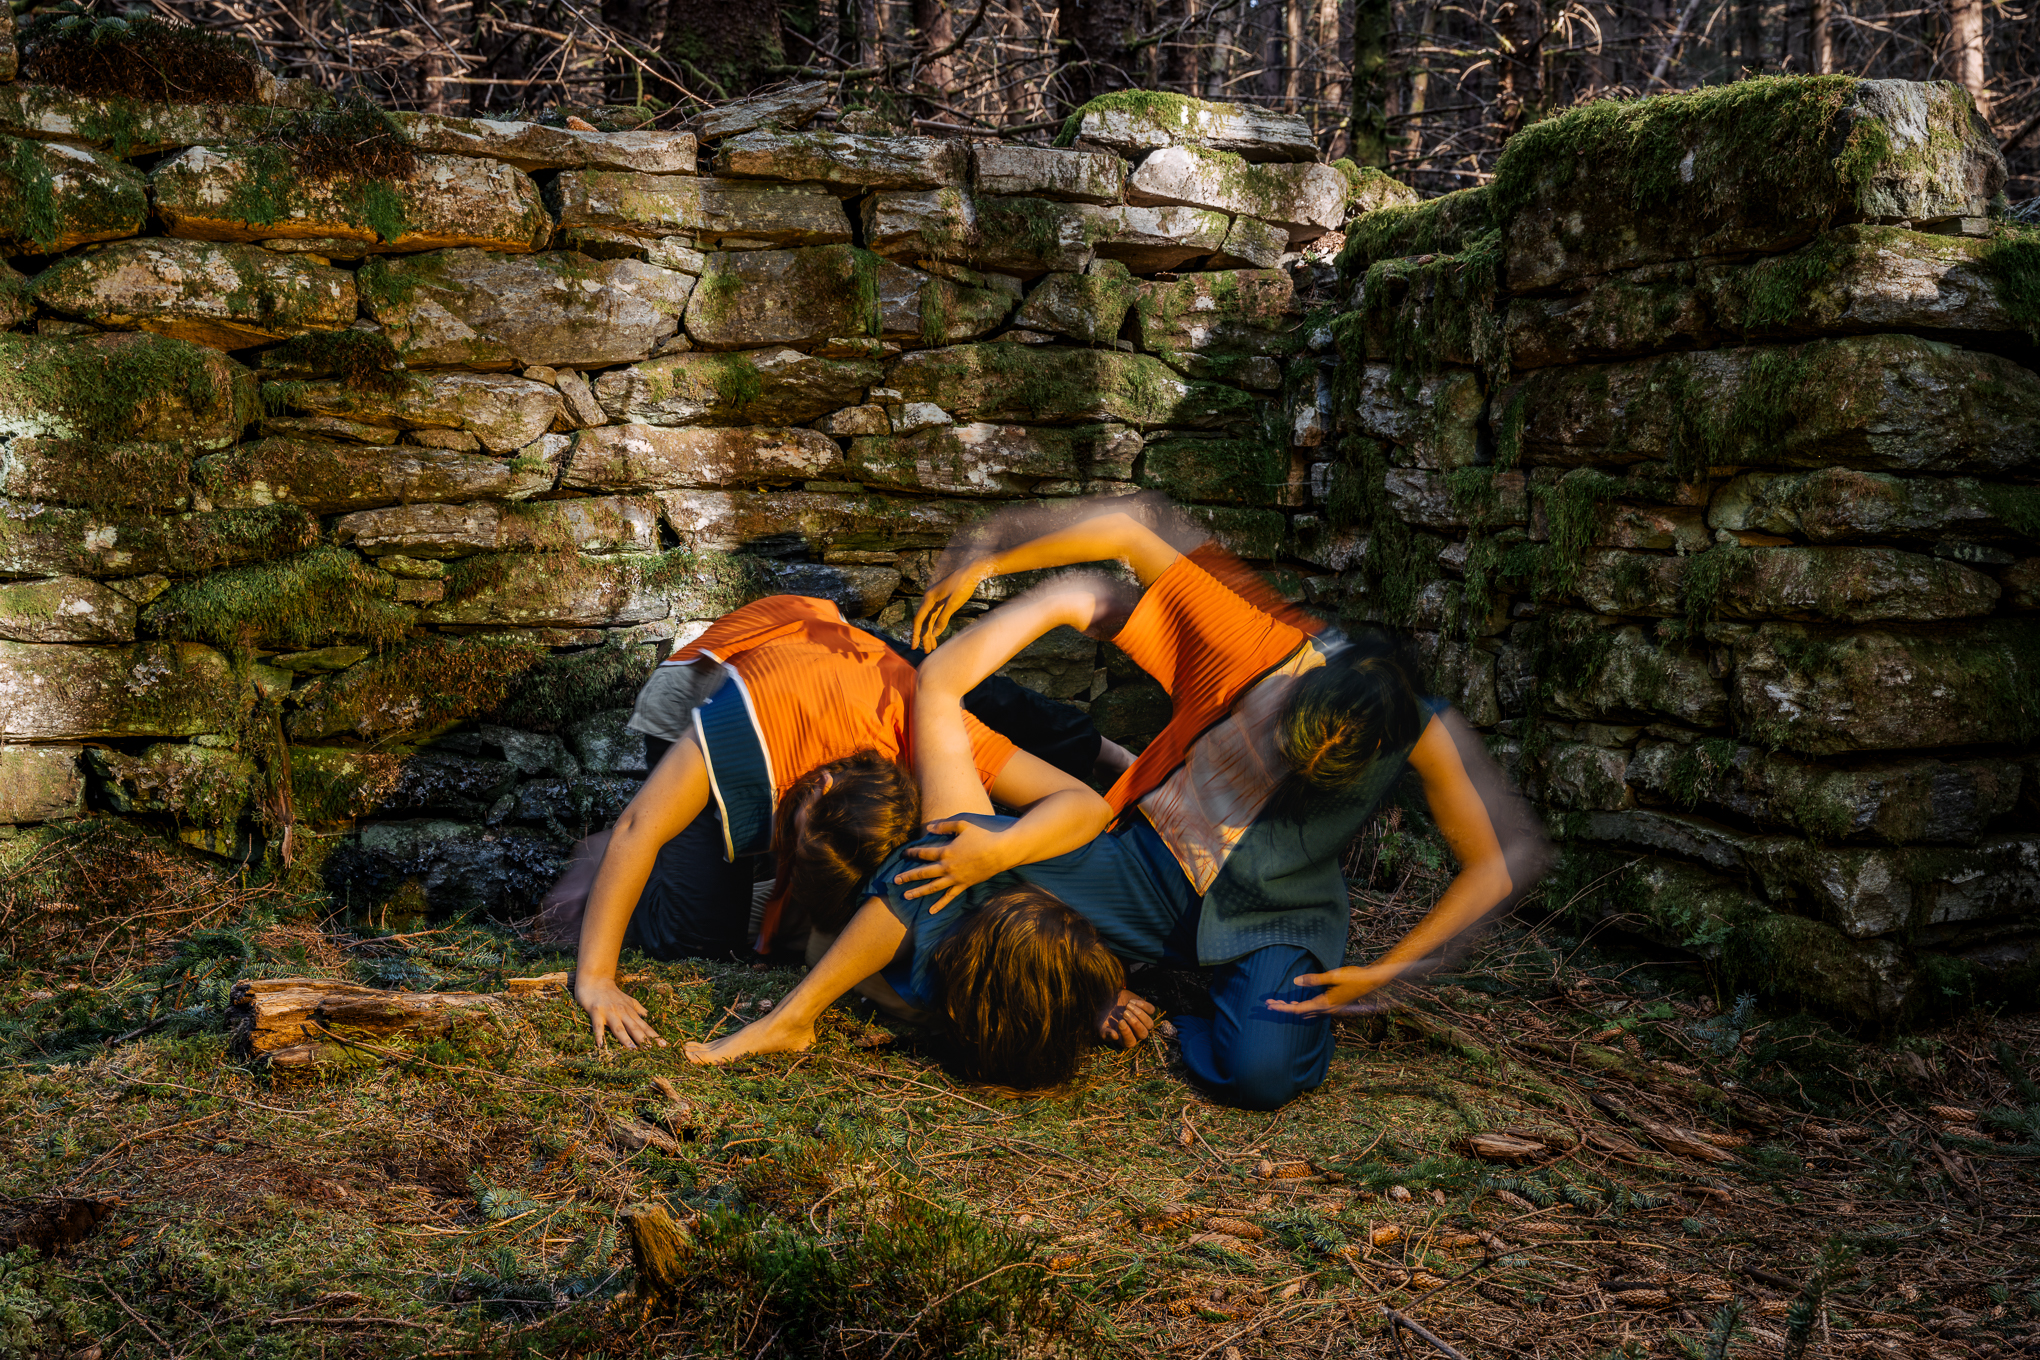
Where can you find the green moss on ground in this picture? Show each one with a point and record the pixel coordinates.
(320, 597)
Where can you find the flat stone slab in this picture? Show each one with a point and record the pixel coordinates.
(54, 197)
(40, 784)
(739, 213)
(1815, 584)
(250, 193)
(778, 522)
(479, 309)
(1148, 240)
(168, 390)
(1824, 691)
(599, 524)
(1063, 385)
(552, 590)
(505, 413)
(1252, 245)
(37, 541)
(1007, 169)
(1439, 423)
(1227, 312)
(847, 161)
(658, 458)
(992, 460)
(1618, 673)
(754, 387)
(1307, 200)
(151, 689)
(809, 297)
(1089, 307)
(229, 296)
(327, 477)
(536, 146)
(1021, 236)
(793, 107)
(1891, 403)
(1836, 504)
(103, 476)
(126, 127)
(1133, 121)
(1596, 190)
(65, 609)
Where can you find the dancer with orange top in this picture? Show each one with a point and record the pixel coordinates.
(1286, 739)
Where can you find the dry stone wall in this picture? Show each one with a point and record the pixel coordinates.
(1701, 449)
(360, 503)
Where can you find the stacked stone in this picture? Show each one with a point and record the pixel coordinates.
(646, 376)
(1700, 448)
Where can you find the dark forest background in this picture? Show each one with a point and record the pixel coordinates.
(1428, 89)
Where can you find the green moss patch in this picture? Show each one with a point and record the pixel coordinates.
(1439, 226)
(2013, 264)
(323, 596)
(363, 360)
(136, 57)
(1421, 313)
(112, 392)
(418, 686)
(570, 686)
(1226, 471)
(1163, 110)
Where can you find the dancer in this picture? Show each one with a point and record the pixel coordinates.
(797, 729)
(1281, 748)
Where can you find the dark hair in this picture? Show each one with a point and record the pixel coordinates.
(870, 808)
(1023, 987)
(1362, 703)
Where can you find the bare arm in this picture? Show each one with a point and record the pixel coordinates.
(1485, 880)
(1062, 813)
(668, 801)
(866, 945)
(1114, 535)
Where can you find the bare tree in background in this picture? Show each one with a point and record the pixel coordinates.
(1426, 89)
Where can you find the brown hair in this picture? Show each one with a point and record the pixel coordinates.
(1359, 705)
(1023, 987)
(870, 808)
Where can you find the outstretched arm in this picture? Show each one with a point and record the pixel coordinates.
(1061, 813)
(1113, 535)
(866, 945)
(1500, 854)
(671, 798)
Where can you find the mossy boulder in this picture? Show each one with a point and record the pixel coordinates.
(847, 161)
(1011, 170)
(76, 472)
(65, 609)
(1578, 774)
(1205, 323)
(40, 784)
(1892, 403)
(39, 541)
(505, 413)
(1865, 893)
(1835, 583)
(1796, 963)
(1058, 385)
(1444, 225)
(413, 690)
(1837, 504)
(596, 524)
(224, 295)
(1894, 801)
(1823, 691)
(194, 785)
(334, 784)
(550, 590)
(54, 197)
(659, 458)
(1134, 121)
(1635, 312)
(126, 128)
(1597, 670)
(540, 146)
(120, 388)
(1754, 166)
(1308, 200)
(784, 522)
(1251, 245)
(1443, 500)
(992, 460)
(754, 387)
(1023, 236)
(480, 309)
(1663, 900)
(751, 212)
(1222, 471)
(1150, 239)
(328, 477)
(1256, 534)
(1089, 307)
(1436, 417)
(253, 193)
(753, 298)
(150, 689)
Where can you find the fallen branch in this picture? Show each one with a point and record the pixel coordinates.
(1408, 1323)
(278, 1014)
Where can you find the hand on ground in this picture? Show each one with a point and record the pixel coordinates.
(611, 1010)
(1344, 988)
(1128, 1020)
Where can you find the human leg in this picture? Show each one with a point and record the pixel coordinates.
(1246, 1054)
(696, 904)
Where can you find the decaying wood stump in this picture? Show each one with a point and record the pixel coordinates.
(288, 1020)
(658, 1246)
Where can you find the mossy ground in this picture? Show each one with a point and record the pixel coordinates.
(462, 1195)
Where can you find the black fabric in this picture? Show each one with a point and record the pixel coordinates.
(696, 904)
(1043, 727)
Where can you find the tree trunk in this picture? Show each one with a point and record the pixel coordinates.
(1178, 59)
(1371, 23)
(1820, 37)
(1292, 53)
(1420, 79)
(1965, 48)
(1101, 34)
(432, 32)
(729, 48)
(1218, 63)
(1331, 90)
(1519, 84)
(937, 29)
(1749, 40)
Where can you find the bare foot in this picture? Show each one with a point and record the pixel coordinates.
(1127, 1021)
(775, 1033)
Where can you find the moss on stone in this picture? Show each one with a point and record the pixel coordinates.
(2017, 506)
(363, 360)
(320, 597)
(1438, 226)
(1163, 110)
(418, 686)
(1711, 575)
(1432, 311)
(2013, 264)
(567, 687)
(1572, 509)
(1226, 471)
(106, 392)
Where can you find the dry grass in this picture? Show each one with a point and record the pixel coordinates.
(462, 1197)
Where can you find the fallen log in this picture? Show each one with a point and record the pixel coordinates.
(274, 1016)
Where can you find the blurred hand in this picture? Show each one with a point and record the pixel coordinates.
(943, 599)
(1344, 987)
(971, 856)
(611, 1010)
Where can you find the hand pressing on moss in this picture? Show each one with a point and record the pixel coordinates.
(611, 1010)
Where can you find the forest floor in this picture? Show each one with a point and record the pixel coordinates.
(1697, 1182)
